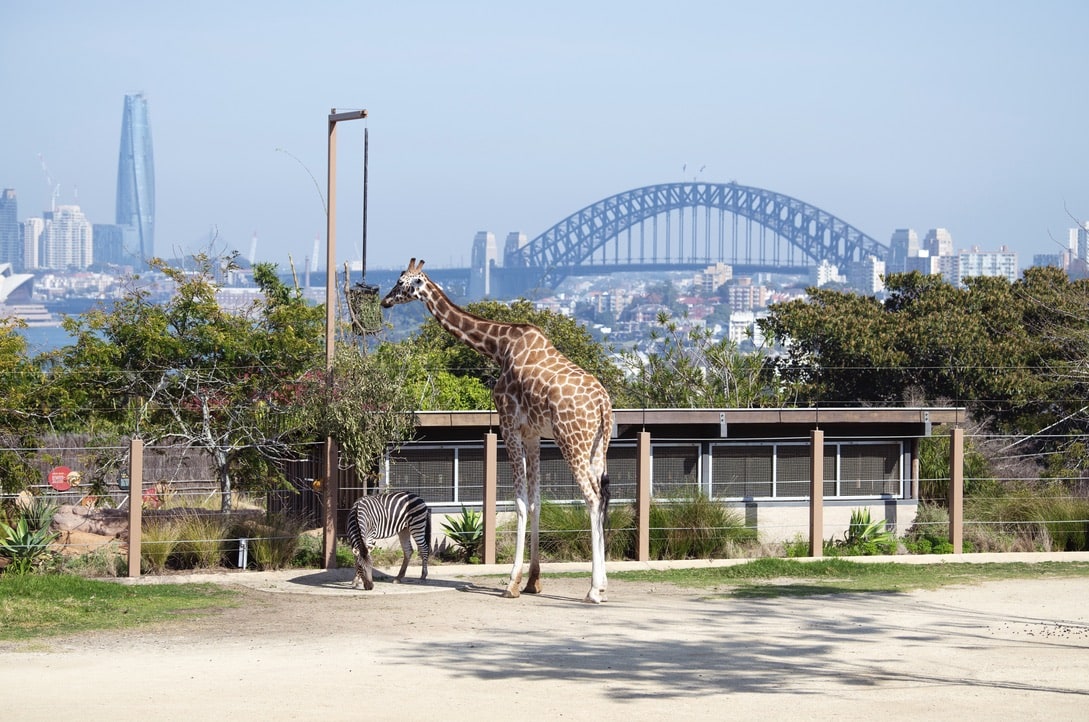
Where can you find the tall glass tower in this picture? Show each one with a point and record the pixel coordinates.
(136, 180)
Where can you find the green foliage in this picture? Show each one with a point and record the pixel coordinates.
(1028, 518)
(1012, 352)
(692, 370)
(26, 543)
(466, 531)
(929, 534)
(934, 468)
(693, 526)
(158, 542)
(201, 539)
(865, 536)
(190, 371)
(565, 531)
(274, 541)
(370, 406)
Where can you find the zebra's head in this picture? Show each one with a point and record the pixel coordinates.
(409, 287)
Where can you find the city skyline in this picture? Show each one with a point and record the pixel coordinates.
(509, 119)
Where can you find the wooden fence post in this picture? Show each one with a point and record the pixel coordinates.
(956, 490)
(330, 496)
(816, 493)
(642, 497)
(491, 475)
(136, 503)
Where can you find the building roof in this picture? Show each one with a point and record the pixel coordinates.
(14, 287)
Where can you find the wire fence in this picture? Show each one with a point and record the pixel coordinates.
(186, 523)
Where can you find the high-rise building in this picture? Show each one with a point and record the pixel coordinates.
(485, 255)
(136, 180)
(975, 262)
(32, 243)
(939, 242)
(11, 240)
(903, 245)
(67, 239)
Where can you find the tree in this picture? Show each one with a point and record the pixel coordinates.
(189, 371)
(1013, 353)
(24, 409)
(692, 370)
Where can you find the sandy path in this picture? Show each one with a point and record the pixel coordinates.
(652, 652)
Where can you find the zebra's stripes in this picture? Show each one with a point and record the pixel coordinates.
(382, 516)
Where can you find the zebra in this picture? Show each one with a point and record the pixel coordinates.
(381, 516)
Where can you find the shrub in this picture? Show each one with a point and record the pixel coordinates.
(693, 526)
(200, 539)
(273, 541)
(159, 540)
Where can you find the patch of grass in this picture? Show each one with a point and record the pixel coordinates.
(51, 604)
(693, 526)
(788, 577)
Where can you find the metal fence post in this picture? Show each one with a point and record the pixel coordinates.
(136, 502)
(816, 493)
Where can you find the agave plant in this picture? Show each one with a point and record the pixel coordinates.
(24, 544)
(866, 536)
(466, 531)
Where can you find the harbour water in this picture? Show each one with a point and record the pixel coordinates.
(42, 339)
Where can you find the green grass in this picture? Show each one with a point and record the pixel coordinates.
(766, 578)
(39, 605)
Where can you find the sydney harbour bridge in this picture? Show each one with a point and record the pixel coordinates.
(674, 227)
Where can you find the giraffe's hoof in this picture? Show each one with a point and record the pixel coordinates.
(533, 587)
(511, 591)
(594, 596)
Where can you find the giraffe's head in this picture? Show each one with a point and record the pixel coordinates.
(409, 286)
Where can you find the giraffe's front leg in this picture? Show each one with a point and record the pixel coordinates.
(514, 584)
(533, 491)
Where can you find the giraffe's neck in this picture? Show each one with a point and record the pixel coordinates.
(478, 333)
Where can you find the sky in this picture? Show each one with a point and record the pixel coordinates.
(506, 116)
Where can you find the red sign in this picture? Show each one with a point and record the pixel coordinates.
(58, 478)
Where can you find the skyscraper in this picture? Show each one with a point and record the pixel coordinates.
(11, 239)
(136, 180)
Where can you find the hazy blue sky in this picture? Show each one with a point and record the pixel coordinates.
(510, 116)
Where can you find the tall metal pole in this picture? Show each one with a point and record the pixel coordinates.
(330, 485)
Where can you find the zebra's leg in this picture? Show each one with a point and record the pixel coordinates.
(358, 581)
(368, 569)
(406, 545)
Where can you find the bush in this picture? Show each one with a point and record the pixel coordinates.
(273, 541)
(693, 526)
(565, 533)
(159, 539)
(929, 533)
(201, 538)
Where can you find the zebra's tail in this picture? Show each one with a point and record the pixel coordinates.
(427, 532)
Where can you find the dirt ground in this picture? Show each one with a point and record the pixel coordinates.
(304, 646)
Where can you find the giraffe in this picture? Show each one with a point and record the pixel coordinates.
(539, 393)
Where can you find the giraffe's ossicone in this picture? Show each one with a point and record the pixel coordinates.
(539, 393)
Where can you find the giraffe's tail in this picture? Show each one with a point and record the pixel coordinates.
(606, 494)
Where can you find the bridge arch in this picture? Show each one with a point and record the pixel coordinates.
(790, 235)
